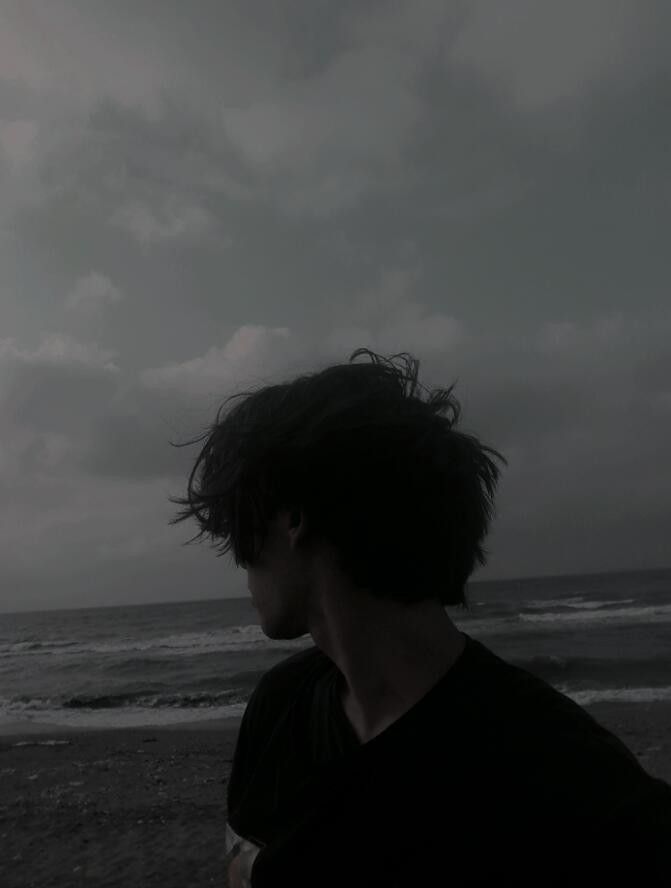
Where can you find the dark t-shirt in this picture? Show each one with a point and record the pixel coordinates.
(493, 777)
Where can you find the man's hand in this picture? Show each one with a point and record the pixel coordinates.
(240, 867)
(234, 874)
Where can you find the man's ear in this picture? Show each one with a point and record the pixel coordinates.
(297, 524)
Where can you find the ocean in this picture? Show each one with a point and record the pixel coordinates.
(594, 637)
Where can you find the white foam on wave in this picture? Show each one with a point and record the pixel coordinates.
(545, 603)
(127, 717)
(594, 605)
(484, 625)
(576, 602)
(651, 613)
(617, 695)
(234, 638)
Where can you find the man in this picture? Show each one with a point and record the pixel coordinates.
(398, 750)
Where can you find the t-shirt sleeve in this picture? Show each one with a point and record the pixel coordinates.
(244, 749)
(256, 729)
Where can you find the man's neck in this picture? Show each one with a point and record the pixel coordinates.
(389, 657)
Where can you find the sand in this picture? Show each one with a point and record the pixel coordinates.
(146, 806)
(130, 807)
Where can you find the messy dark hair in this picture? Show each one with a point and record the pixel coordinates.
(381, 474)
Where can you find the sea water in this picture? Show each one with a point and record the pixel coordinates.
(594, 637)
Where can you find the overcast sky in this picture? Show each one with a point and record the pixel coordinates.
(207, 196)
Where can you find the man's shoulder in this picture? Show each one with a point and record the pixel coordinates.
(550, 758)
(520, 697)
(537, 721)
(563, 753)
(285, 678)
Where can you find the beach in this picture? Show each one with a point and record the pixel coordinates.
(127, 807)
(147, 806)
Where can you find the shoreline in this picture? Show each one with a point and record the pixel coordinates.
(31, 728)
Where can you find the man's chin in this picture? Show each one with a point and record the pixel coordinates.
(282, 633)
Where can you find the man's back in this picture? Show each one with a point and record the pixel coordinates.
(492, 775)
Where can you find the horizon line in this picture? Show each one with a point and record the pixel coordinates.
(513, 579)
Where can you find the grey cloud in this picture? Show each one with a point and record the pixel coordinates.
(51, 398)
(17, 139)
(58, 386)
(172, 222)
(308, 133)
(134, 445)
(250, 347)
(319, 138)
(61, 50)
(310, 144)
(546, 54)
(59, 529)
(91, 293)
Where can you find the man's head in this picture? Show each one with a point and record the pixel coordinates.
(280, 579)
(349, 462)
